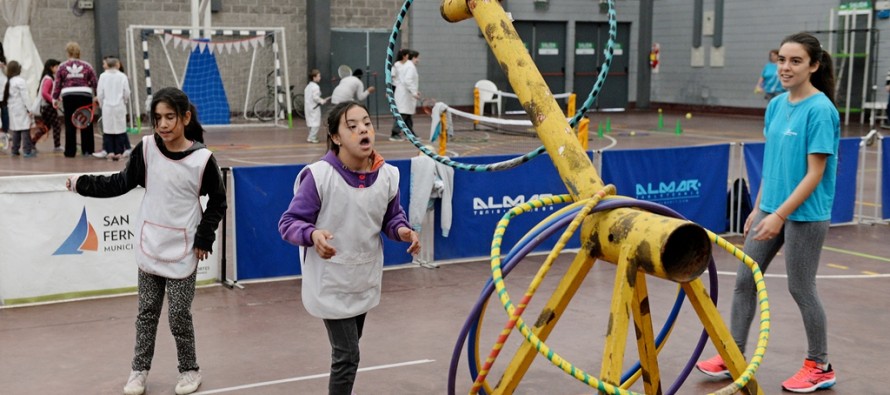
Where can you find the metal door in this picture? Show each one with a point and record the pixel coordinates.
(365, 49)
(546, 43)
(590, 45)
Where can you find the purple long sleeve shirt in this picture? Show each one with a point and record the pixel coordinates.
(298, 222)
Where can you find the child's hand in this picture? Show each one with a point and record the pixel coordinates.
(408, 235)
(71, 184)
(201, 254)
(320, 240)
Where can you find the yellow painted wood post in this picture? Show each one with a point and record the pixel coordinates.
(584, 132)
(547, 319)
(660, 246)
(719, 333)
(646, 337)
(619, 318)
(575, 168)
(570, 105)
(443, 135)
(477, 109)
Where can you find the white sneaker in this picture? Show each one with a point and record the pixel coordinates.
(136, 383)
(101, 154)
(188, 382)
(426, 264)
(127, 153)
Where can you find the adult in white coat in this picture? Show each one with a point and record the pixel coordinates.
(407, 95)
(396, 73)
(312, 102)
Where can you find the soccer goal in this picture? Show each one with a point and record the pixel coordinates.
(237, 76)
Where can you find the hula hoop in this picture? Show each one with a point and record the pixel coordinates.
(510, 163)
(581, 375)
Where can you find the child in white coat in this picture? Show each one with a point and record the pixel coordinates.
(18, 102)
(312, 102)
(112, 94)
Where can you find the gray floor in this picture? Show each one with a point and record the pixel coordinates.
(259, 340)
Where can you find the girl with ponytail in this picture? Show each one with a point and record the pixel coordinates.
(793, 208)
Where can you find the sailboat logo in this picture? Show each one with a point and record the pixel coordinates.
(82, 238)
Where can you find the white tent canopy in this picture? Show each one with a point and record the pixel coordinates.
(18, 44)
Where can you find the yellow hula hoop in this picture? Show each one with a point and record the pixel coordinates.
(569, 368)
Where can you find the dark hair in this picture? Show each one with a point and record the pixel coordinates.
(179, 102)
(403, 53)
(194, 131)
(2, 54)
(47, 71)
(120, 65)
(357, 73)
(334, 116)
(313, 73)
(823, 78)
(412, 54)
(48, 67)
(13, 69)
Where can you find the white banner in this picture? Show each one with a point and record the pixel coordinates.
(55, 244)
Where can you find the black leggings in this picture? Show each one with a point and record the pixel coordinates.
(72, 102)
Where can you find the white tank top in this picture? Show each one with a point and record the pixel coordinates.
(171, 211)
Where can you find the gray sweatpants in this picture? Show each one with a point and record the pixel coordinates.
(803, 244)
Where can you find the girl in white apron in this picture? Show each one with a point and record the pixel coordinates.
(172, 232)
(340, 205)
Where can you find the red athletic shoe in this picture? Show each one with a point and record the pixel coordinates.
(810, 378)
(713, 367)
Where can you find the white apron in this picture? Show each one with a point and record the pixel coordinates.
(349, 283)
(170, 212)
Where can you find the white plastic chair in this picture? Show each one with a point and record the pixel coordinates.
(488, 93)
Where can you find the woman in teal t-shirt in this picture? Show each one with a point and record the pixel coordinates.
(802, 131)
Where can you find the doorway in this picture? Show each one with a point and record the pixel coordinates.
(365, 49)
(546, 43)
(590, 45)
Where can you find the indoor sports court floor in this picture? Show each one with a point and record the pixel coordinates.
(258, 339)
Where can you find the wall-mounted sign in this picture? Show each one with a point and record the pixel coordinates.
(584, 48)
(548, 48)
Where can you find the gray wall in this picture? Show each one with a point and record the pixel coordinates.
(454, 55)
(750, 30)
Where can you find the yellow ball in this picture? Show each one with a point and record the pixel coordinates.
(633, 133)
(688, 115)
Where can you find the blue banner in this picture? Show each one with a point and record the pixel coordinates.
(263, 193)
(690, 180)
(481, 199)
(885, 178)
(845, 188)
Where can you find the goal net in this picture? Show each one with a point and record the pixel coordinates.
(236, 76)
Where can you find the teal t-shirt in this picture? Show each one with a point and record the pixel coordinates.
(793, 131)
(771, 83)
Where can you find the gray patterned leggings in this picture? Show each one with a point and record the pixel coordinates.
(803, 245)
(181, 292)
